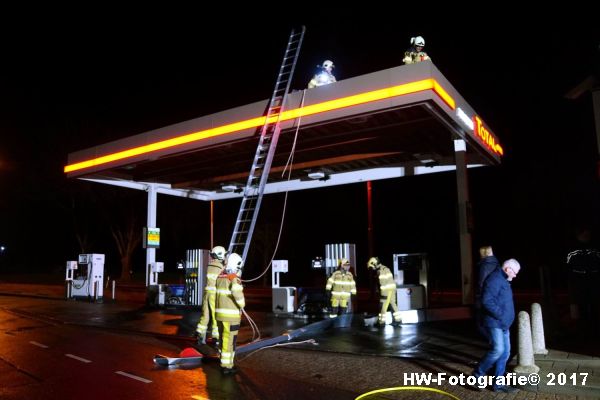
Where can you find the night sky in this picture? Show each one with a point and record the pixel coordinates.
(71, 82)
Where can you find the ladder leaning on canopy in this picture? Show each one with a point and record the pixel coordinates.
(267, 144)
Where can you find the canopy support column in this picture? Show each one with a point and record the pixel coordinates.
(465, 240)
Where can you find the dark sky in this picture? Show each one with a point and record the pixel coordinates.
(73, 78)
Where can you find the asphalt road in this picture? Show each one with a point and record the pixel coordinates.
(45, 359)
(56, 349)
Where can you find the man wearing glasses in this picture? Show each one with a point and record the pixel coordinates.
(498, 316)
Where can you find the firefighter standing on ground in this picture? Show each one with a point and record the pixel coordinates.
(341, 285)
(387, 289)
(215, 267)
(229, 305)
(415, 53)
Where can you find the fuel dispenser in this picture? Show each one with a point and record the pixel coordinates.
(84, 277)
(196, 266)
(155, 268)
(284, 298)
(411, 268)
(190, 293)
(153, 293)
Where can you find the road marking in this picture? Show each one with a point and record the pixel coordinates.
(43, 346)
(137, 378)
(78, 358)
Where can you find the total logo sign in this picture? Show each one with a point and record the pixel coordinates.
(486, 137)
(481, 132)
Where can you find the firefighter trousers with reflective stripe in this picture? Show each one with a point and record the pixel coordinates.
(208, 316)
(229, 332)
(389, 300)
(339, 305)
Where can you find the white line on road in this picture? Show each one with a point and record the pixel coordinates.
(78, 358)
(43, 346)
(137, 378)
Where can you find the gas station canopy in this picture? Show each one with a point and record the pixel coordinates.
(391, 123)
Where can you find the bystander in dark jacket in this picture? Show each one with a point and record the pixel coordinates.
(498, 316)
(486, 265)
(497, 301)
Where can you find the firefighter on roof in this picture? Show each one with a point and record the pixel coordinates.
(415, 53)
(324, 75)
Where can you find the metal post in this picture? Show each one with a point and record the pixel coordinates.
(212, 223)
(596, 104)
(151, 222)
(113, 289)
(462, 188)
(370, 217)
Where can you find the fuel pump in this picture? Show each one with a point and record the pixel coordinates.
(410, 273)
(155, 269)
(70, 269)
(84, 277)
(154, 289)
(283, 297)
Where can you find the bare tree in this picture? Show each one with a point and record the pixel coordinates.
(127, 238)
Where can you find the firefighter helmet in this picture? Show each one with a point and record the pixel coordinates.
(218, 253)
(418, 41)
(373, 263)
(343, 262)
(234, 263)
(328, 65)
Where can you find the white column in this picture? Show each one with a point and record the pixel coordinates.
(526, 359)
(150, 222)
(537, 330)
(462, 189)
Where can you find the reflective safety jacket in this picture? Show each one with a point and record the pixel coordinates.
(230, 298)
(215, 267)
(321, 78)
(413, 56)
(341, 283)
(386, 280)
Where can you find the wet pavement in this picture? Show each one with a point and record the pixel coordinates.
(344, 362)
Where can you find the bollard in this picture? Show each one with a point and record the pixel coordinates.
(113, 289)
(526, 360)
(537, 330)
